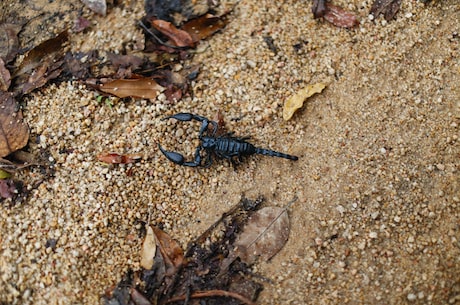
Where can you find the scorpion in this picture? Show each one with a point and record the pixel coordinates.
(225, 146)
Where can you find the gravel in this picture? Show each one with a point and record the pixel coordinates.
(377, 217)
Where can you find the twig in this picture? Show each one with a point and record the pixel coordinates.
(212, 293)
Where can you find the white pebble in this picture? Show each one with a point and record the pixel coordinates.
(411, 297)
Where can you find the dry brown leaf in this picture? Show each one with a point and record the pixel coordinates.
(149, 248)
(296, 101)
(170, 249)
(47, 51)
(9, 43)
(204, 26)
(14, 133)
(5, 77)
(265, 234)
(178, 37)
(388, 8)
(141, 88)
(340, 17)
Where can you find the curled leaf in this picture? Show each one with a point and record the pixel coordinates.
(296, 101)
(149, 249)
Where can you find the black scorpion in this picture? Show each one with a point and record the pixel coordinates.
(225, 146)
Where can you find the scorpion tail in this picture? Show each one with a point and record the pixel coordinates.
(272, 153)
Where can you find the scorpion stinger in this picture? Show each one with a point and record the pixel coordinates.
(224, 146)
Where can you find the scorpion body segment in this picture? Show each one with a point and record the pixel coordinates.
(225, 146)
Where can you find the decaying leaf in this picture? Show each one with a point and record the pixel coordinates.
(113, 158)
(140, 87)
(296, 101)
(265, 234)
(5, 77)
(388, 8)
(9, 43)
(204, 26)
(148, 250)
(318, 8)
(172, 253)
(340, 17)
(14, 133)
(178, 37)
(45, 51)
(7, 188)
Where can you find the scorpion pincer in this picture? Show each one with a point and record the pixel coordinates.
(224, 146)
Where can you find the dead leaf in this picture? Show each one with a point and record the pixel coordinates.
(149, 248)
(265, 234)
(388, 8)
(9, 43)
(45, 51)
(5, 77)
(340, 17)
(318, 8)
(14, 133)
(114, 158)
(296, 101)
(204, 26)
(170, 249)
(7, 188)
(141, 88)
(97, 6)
(178, 37)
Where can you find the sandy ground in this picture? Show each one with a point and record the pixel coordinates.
(377, 216)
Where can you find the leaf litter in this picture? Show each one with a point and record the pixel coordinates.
(213, 267)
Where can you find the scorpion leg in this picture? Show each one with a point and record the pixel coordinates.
(179, 159)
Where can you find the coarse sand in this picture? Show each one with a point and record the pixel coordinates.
(377, 180)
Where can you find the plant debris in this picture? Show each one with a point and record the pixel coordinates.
(209, 268)
(340, 17)
(9, 43)
(296, 101)
(145, 88)
(7, 188)
(388, 8)
(14, 133)
(113, 158)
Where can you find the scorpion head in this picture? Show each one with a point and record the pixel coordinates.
(208, 142)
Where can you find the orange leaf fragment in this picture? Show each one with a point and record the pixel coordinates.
(178, 37)
(140, 88)
(113, 158)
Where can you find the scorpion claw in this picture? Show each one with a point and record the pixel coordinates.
(172, 156)
(184, 116)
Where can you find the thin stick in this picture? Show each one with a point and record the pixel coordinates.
(212, 293)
